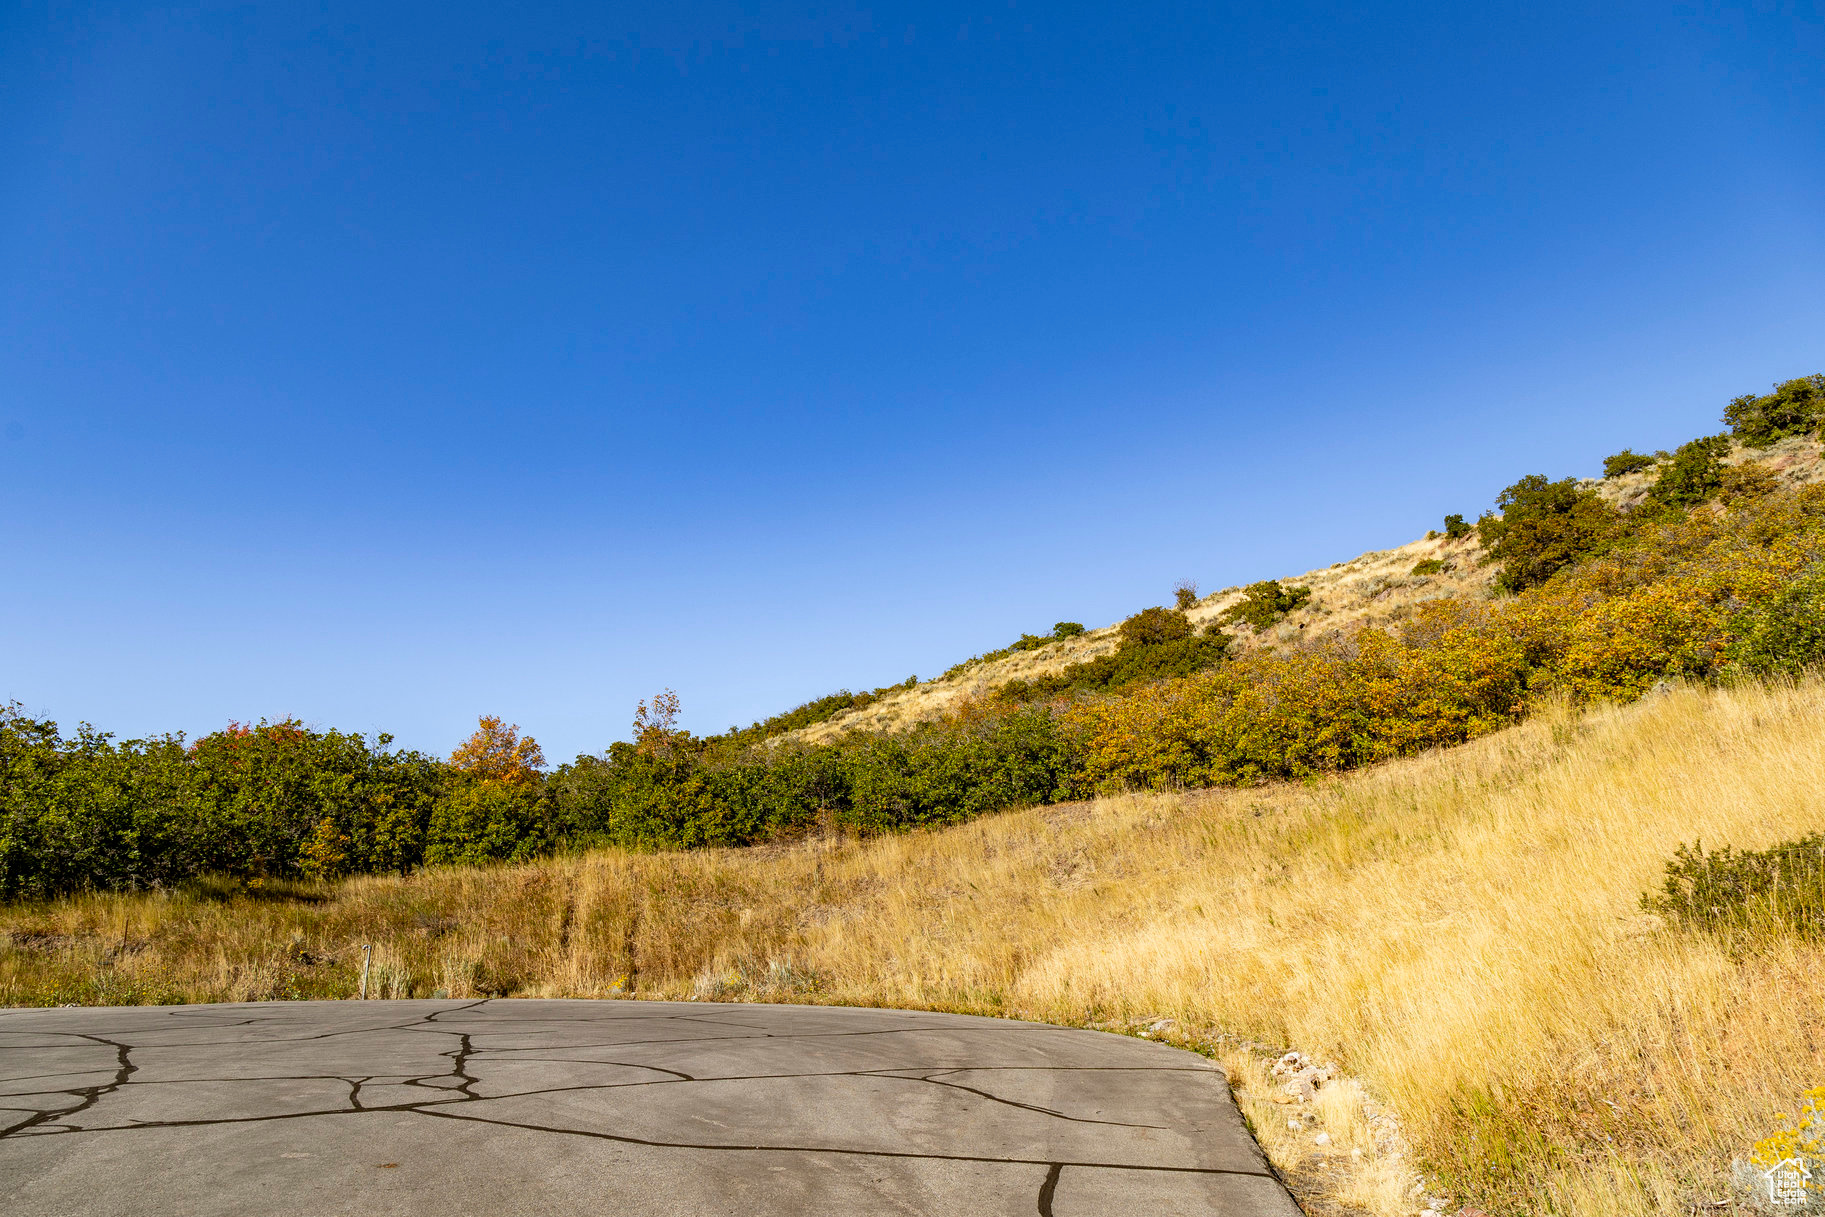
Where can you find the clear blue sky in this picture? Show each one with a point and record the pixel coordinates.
(385, 365)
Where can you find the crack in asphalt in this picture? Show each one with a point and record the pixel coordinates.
(995, 1098)
(466, 1054)
(1049, 1188)
(86, 1096)
(847, 1151)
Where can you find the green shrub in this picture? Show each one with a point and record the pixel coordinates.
(1781, 888)
(1185, 593)
(1031, 642)
(1150, 627)
(1786, 634)
(1694, 474)
(1625, 462)
(944, 773)
(818, 710)
(1067, 629)
(1264, 603)
(1455, 528)
(1796, 407)
(725, 794)
(1155, 644)
(87, 812)
(1128, 666)
(1429, 566)
(487, 821)
(1544, 527)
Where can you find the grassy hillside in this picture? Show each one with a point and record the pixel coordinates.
(1459, 930)
(1706, 563)
(1378, 589)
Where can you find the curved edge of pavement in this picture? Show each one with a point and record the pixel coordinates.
(545, 1106)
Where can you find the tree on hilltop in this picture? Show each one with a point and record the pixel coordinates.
(1796, 407)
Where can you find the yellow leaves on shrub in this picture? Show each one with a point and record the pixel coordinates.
(1801, 1136)
(1620, 647)
(1666, 604)
(1148, 737)
(325, 853)
(1290, 713)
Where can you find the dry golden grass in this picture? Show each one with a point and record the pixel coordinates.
(1459, 931)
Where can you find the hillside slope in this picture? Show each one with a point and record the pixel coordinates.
(1459, 930)
(1375, 588)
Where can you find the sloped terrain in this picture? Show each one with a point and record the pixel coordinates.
(1375, 588)
(1458, 932)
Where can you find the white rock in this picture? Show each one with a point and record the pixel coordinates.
(1323, 1138)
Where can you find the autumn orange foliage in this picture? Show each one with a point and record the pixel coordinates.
(656, 725)
(498, 753)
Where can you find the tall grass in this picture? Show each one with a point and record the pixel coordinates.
(1460, 930)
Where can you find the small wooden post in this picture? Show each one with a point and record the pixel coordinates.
(367, 954)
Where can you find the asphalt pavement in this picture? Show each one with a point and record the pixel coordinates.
(614, 1107)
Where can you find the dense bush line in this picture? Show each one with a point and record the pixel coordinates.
(88, 812)
(682, 792)
(1716, 572)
